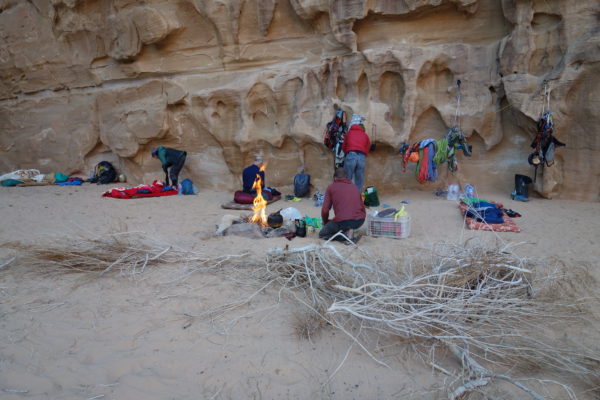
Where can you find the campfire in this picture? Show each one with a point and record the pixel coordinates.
(259, 204)
(257, 225)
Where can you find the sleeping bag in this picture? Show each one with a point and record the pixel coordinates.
(485, 212)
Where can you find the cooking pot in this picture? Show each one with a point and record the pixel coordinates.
(275, 220)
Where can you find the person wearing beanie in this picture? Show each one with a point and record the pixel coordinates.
(249, 175)
(172, 161)
(356, 147)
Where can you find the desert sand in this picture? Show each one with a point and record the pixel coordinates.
(156, 334)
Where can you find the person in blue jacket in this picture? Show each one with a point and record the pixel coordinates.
(249, 175)
(172, 161)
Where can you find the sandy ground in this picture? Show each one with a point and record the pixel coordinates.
(120, 337)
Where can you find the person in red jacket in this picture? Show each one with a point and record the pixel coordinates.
(356, 147)
(347, 205)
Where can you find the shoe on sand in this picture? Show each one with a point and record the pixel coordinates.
(353, 240)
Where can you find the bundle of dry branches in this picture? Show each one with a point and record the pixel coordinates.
(123, 253)
(486, 306)
(478, 302)
(316, 270)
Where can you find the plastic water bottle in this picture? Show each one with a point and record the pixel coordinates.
(318, 199)
(179, 189)
(469, 191)
(452, 192)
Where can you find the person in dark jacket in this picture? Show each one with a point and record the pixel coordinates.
(171, 159)
(347, 205)
(249, 175)
(356, 147)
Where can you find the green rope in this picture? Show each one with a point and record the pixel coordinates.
(470, 200)
(441, 151)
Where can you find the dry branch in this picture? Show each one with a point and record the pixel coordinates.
(478, 300)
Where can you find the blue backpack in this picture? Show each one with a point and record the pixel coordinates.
(187, 187)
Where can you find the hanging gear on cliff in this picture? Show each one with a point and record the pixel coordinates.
(430, 153)
(545, 142)
(455, 137)
(456, 141)
(409, 153)
(334, 136)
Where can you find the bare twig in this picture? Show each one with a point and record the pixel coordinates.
(338, 367)
(8, 262)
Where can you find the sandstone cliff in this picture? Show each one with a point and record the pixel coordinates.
(86, 80)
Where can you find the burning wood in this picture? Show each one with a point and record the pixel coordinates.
(259, 204)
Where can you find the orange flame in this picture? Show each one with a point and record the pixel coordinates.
(259, 204)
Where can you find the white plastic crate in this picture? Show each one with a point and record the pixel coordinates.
(387, 227)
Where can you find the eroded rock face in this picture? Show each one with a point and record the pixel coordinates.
(84, 80)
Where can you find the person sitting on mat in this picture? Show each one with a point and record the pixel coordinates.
(249, 175)
(347, 205)
(171, 159)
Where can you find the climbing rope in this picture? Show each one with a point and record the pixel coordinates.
(441, 151)
(457, 112)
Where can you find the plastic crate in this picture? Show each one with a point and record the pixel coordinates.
(387, 227)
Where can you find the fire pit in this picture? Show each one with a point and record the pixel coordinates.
(243, 226)
(256, 225)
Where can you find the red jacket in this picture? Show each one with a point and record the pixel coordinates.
(345, 198)
(356, 139)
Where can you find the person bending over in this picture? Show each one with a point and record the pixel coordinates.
(249, 175)
(347, 204)
(172, 161)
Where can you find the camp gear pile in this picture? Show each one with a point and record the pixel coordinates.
(33, 177)
(486, 215)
